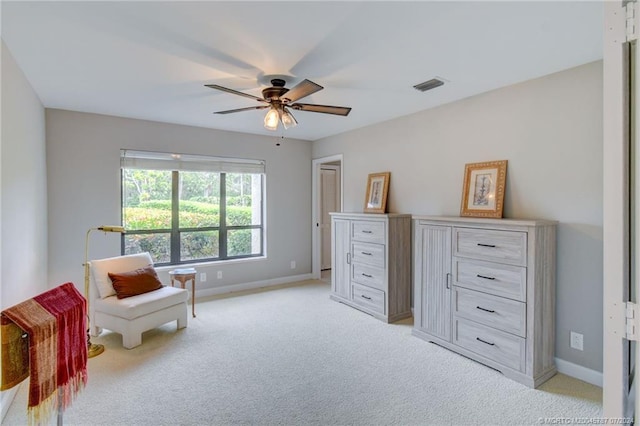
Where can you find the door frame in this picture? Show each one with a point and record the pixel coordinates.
(617, 400)
(315, 208)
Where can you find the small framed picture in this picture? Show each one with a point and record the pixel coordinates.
(483, 189)
(377, 190)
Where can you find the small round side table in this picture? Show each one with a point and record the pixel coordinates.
(182, 276)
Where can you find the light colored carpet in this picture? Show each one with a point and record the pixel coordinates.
(291, 356)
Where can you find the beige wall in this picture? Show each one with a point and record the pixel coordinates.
(550, 131)
(83, 155)
(23, 205)
(24, 196)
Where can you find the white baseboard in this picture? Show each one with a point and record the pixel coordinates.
(579, 372)
(252, 285)
(6, 398)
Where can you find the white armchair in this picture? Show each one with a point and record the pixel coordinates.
(131, 316)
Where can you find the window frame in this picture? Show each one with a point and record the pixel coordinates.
(175, 231)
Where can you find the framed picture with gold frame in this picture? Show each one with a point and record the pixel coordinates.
(483, 189)
(377, 191)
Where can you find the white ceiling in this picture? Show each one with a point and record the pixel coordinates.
(150, 60)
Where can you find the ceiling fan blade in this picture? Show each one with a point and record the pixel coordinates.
(300, 90)
(229, 111)
(325, 109)
(234, 92)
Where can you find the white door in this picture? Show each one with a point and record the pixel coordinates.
(621, 212)
(329, 202)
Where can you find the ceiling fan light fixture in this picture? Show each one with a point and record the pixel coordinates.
(288, 120)
(271, 119)
(279, 100)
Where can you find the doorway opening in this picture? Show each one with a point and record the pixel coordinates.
(327, 195)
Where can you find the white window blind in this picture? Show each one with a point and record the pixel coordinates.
(147, 160)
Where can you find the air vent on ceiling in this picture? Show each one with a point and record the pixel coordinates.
(428, 85)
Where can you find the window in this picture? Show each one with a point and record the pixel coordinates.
(188, 208)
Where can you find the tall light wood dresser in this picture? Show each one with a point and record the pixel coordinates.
(485, 288)
(371, 264)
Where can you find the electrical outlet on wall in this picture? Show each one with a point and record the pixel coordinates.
(219, 275)
(577, 341)
(293, 264)
(203, 277)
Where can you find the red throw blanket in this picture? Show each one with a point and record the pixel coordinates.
(56, 324)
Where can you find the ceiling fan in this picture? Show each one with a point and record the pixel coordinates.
(279, 100)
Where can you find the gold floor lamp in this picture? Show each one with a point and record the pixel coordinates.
(94, 350)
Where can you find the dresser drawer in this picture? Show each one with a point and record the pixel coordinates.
(494, 245)
(497, 312)
(498, 346)
(368, 297)
(368, 275)
(371, 254)
(368, 231)
(493, 278)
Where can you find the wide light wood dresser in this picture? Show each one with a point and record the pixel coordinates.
(485, 288)
(371, 263)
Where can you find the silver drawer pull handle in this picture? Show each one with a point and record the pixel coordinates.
(365, 297)
(486, 310)
(366, 232)
(485, 342)
(366, 254)
(487, 245)
(485, 277)
(367, 275)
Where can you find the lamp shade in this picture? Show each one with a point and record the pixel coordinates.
(271, 119)
(288, 120)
